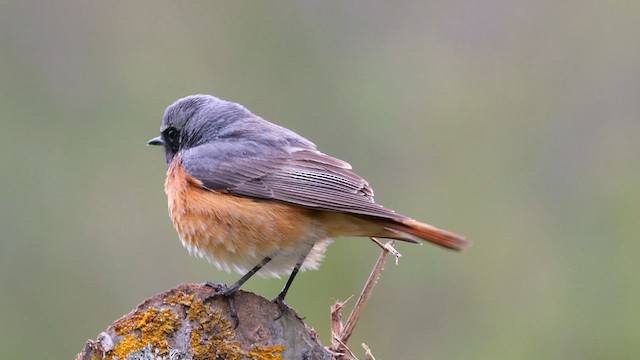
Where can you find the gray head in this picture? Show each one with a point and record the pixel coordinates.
(195, 119)
(201, 119)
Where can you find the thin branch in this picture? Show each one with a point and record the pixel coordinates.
(340, 334)
(366, 291)
(367, 352)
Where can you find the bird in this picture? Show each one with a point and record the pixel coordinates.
(253, 197)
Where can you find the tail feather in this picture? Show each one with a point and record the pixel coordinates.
(412, 229)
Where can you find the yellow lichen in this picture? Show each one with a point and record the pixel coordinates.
(179, 298)
(150, 327)
(266, 353)
(213, 338)
(214, 346)
(125, 346)
(213, 335)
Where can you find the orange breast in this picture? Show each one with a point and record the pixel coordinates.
(235, 232)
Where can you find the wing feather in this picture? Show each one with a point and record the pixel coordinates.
(304, 177)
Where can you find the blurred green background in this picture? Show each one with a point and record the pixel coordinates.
(514, 123)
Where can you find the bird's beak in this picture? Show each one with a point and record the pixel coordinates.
(156, 141)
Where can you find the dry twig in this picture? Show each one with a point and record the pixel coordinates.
(367, 352)
(340, 333)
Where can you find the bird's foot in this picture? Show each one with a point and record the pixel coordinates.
(281, 305)
(222, 290)
(228, 292)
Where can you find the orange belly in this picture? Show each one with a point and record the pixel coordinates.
(236, 233)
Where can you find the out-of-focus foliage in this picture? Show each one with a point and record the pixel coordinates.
(515, 123)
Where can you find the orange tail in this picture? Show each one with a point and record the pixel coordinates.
(410, 229)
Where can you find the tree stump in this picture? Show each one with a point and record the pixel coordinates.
(177, 324)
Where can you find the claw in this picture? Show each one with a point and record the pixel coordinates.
(228, 292)
(221, 290)
(283, 307)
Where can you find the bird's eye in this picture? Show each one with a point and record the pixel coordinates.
(171, 134)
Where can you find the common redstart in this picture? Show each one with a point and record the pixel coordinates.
(254, 197)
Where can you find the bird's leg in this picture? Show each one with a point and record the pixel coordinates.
(279, 300)
(222, 290)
